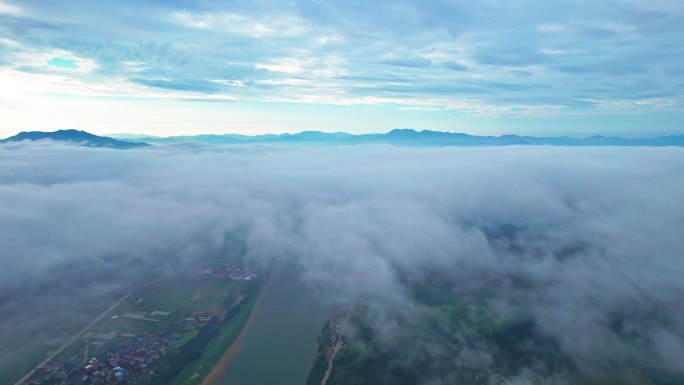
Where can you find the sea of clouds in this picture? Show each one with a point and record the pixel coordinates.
(603, 230)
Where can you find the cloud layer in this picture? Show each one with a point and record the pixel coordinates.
(599, 229)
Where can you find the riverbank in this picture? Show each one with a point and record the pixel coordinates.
(279, 342)
(196, 372)
(213, 377)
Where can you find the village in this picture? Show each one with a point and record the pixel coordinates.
(130, 361)
(125, 346)
(224, 271)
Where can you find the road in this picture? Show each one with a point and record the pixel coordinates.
(90, 325)
(338, 346)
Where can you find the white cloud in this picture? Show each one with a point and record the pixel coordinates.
(317, 68)
(284, 65)
(10, 9)
(359, 219)
(9, 43)
(552, 28)
(238, 24)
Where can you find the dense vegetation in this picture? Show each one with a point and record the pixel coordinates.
(458, 339)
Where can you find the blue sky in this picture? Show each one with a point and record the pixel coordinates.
(482, 67)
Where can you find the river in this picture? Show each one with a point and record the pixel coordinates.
(279, 340)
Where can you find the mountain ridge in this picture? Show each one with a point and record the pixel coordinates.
(410, 136)
(398, 136)
(76, 137)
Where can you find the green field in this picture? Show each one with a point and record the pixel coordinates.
(192, 361)
(195, 372)
(22, 351)
(177, 295)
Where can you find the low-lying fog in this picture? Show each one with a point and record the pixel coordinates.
(594, 230)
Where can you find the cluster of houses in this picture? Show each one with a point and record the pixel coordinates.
(223, 271)
(53, 369)
(127, 362)
(203, 315)
(335, 335)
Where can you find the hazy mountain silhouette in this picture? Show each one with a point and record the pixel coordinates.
(424, 137)
(77, 137)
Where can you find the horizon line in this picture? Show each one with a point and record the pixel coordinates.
(127, 135)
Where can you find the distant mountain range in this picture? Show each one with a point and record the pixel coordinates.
(76, 137)
(397, 136)
(413, 137)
